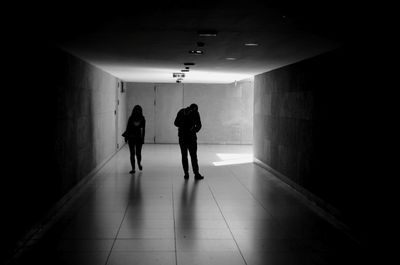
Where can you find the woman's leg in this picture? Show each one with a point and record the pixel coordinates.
(131, 144)
(139, 154)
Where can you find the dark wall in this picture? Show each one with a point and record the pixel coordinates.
(313, 123)
(59, 126)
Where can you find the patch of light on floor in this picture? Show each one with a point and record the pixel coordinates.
(233, 159)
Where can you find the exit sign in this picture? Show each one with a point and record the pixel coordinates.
(178, 75)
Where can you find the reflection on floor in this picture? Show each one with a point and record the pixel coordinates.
(239, 214)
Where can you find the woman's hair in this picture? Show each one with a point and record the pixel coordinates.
(137, 112)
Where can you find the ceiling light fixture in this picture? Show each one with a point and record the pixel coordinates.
(207, 33)
(251, 44)
(230, 58)
(196, 52)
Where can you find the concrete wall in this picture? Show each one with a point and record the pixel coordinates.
(86, 122)
(62, 127)
(225, 110)
(312, 125)
(121, 113)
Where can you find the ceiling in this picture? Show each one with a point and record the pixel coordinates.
(148, 42)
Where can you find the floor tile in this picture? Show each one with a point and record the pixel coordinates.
(277, 258)
(210, 258)
(143, 233)
(142, 258)
(144, 245)
(182, 233)
(265, 244)
(189, 245)
(200, 224)
(239, 214)
(85, 245)
(90, 232)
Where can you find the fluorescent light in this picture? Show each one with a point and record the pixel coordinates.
(251, 44)
(207, 33)
(230, 58)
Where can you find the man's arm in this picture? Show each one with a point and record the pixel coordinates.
(178, 119)
(197, 125)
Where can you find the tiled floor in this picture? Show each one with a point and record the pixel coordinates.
(239, 214)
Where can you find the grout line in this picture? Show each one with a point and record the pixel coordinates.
(173, 214)
(252, 195)
(309, 200)
(59, 209)
(230, 231)
(119, 228)
(301, 198)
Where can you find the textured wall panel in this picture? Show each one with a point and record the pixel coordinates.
(226, 111)
(122, 113)
(86, 122)
(168, 103)
(309, 126)
(66, 128)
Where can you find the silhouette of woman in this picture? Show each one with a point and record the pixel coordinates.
(134, 135)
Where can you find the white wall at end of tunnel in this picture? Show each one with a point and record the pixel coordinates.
(226, 110)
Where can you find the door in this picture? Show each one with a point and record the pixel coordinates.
(116, 112)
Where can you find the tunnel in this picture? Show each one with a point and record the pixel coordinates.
(288, 145)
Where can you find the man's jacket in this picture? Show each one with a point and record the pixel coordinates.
(188, 124)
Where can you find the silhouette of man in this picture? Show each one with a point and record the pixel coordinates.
(188, 123)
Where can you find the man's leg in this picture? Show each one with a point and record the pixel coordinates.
(184, 153)
(193, 156)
